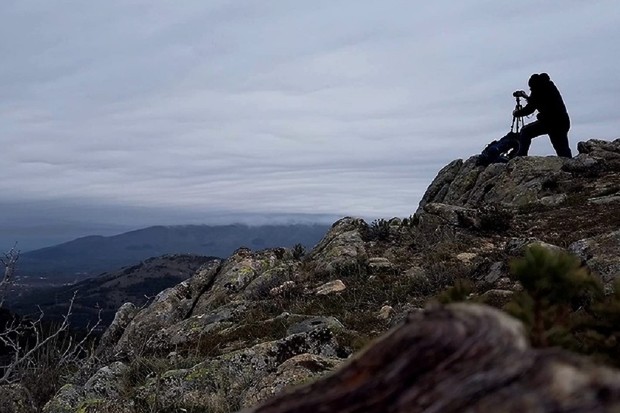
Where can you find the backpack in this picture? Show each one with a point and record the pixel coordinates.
(500, 151)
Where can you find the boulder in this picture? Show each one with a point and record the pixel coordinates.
(330, 288)
(228, 379)
(297, 370)
(342, 250)
(114, 332)
(600, 254)
(169, 307)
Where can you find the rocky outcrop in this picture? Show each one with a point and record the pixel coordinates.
(102, 389)
(600, 254)
(248, 327)
(342, 250)
(521, 181)
(452, 359)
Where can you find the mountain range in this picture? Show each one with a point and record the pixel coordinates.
(89, 256)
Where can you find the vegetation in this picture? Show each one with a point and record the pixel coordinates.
(562, 304)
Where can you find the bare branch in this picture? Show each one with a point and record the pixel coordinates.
(39, 343)
(9, 261)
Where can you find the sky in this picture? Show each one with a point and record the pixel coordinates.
(120, 114)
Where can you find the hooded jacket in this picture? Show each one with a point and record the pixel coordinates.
(545, 98)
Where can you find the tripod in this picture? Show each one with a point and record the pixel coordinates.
(517, 121)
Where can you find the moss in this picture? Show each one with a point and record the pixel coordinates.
(90, 405)
(199, 373)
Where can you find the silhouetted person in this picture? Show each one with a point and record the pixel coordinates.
(552, 117)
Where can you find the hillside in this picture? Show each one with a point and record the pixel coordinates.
(108, 291)
(89, 256)
(241, 330)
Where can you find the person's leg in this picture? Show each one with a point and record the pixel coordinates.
(530, 131)
(559, 140)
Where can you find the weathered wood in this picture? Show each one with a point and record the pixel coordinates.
(458, 358)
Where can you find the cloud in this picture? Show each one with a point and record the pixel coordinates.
(339, 108)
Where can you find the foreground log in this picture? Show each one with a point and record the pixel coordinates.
(458, 358)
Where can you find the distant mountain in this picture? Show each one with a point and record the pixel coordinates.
(92, 255)
(109, 291)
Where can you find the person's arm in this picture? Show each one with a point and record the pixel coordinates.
(527, 110)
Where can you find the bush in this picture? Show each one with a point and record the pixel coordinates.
(494, 218)
(554, 284)
(299, 251)
(379, 230)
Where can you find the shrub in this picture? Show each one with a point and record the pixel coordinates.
(553, 282)
(299, 251)
(379, 230)
(494, 218)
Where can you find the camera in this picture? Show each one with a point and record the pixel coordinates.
(519, 94)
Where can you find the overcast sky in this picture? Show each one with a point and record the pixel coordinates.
(122, 113)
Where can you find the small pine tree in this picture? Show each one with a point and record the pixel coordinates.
(553, 283)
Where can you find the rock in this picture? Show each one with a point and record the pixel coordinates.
(454, 215)
(466, 257)
(225, 379)
(169, 307)
(438, 189)
(314, 323)
(605, 155)
(114, 332)
(204, 277)
(495, 273)
(497, 298)
(385, 313)
(518, 246)
(609, 199)
(282, 289)
(330, 287)
(553, 200)
(100, 392)
(297, 370)
(457, 358)
(342, 250)
(380, 265)
(600, 254)
(522, 181)
(188, 332)
(262, 285)
(66, 400)
(104, 383)
(15, 398)
(260, 271)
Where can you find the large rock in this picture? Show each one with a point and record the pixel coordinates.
(170, 306)
(103, 389)
(299, 369)
(600, 254)
(597, 155)
(257, 272)
(342, 250)
(228, 378)
(114, 332)
(457, 358)
(521, 181)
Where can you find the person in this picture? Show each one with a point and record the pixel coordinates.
(552, 118)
